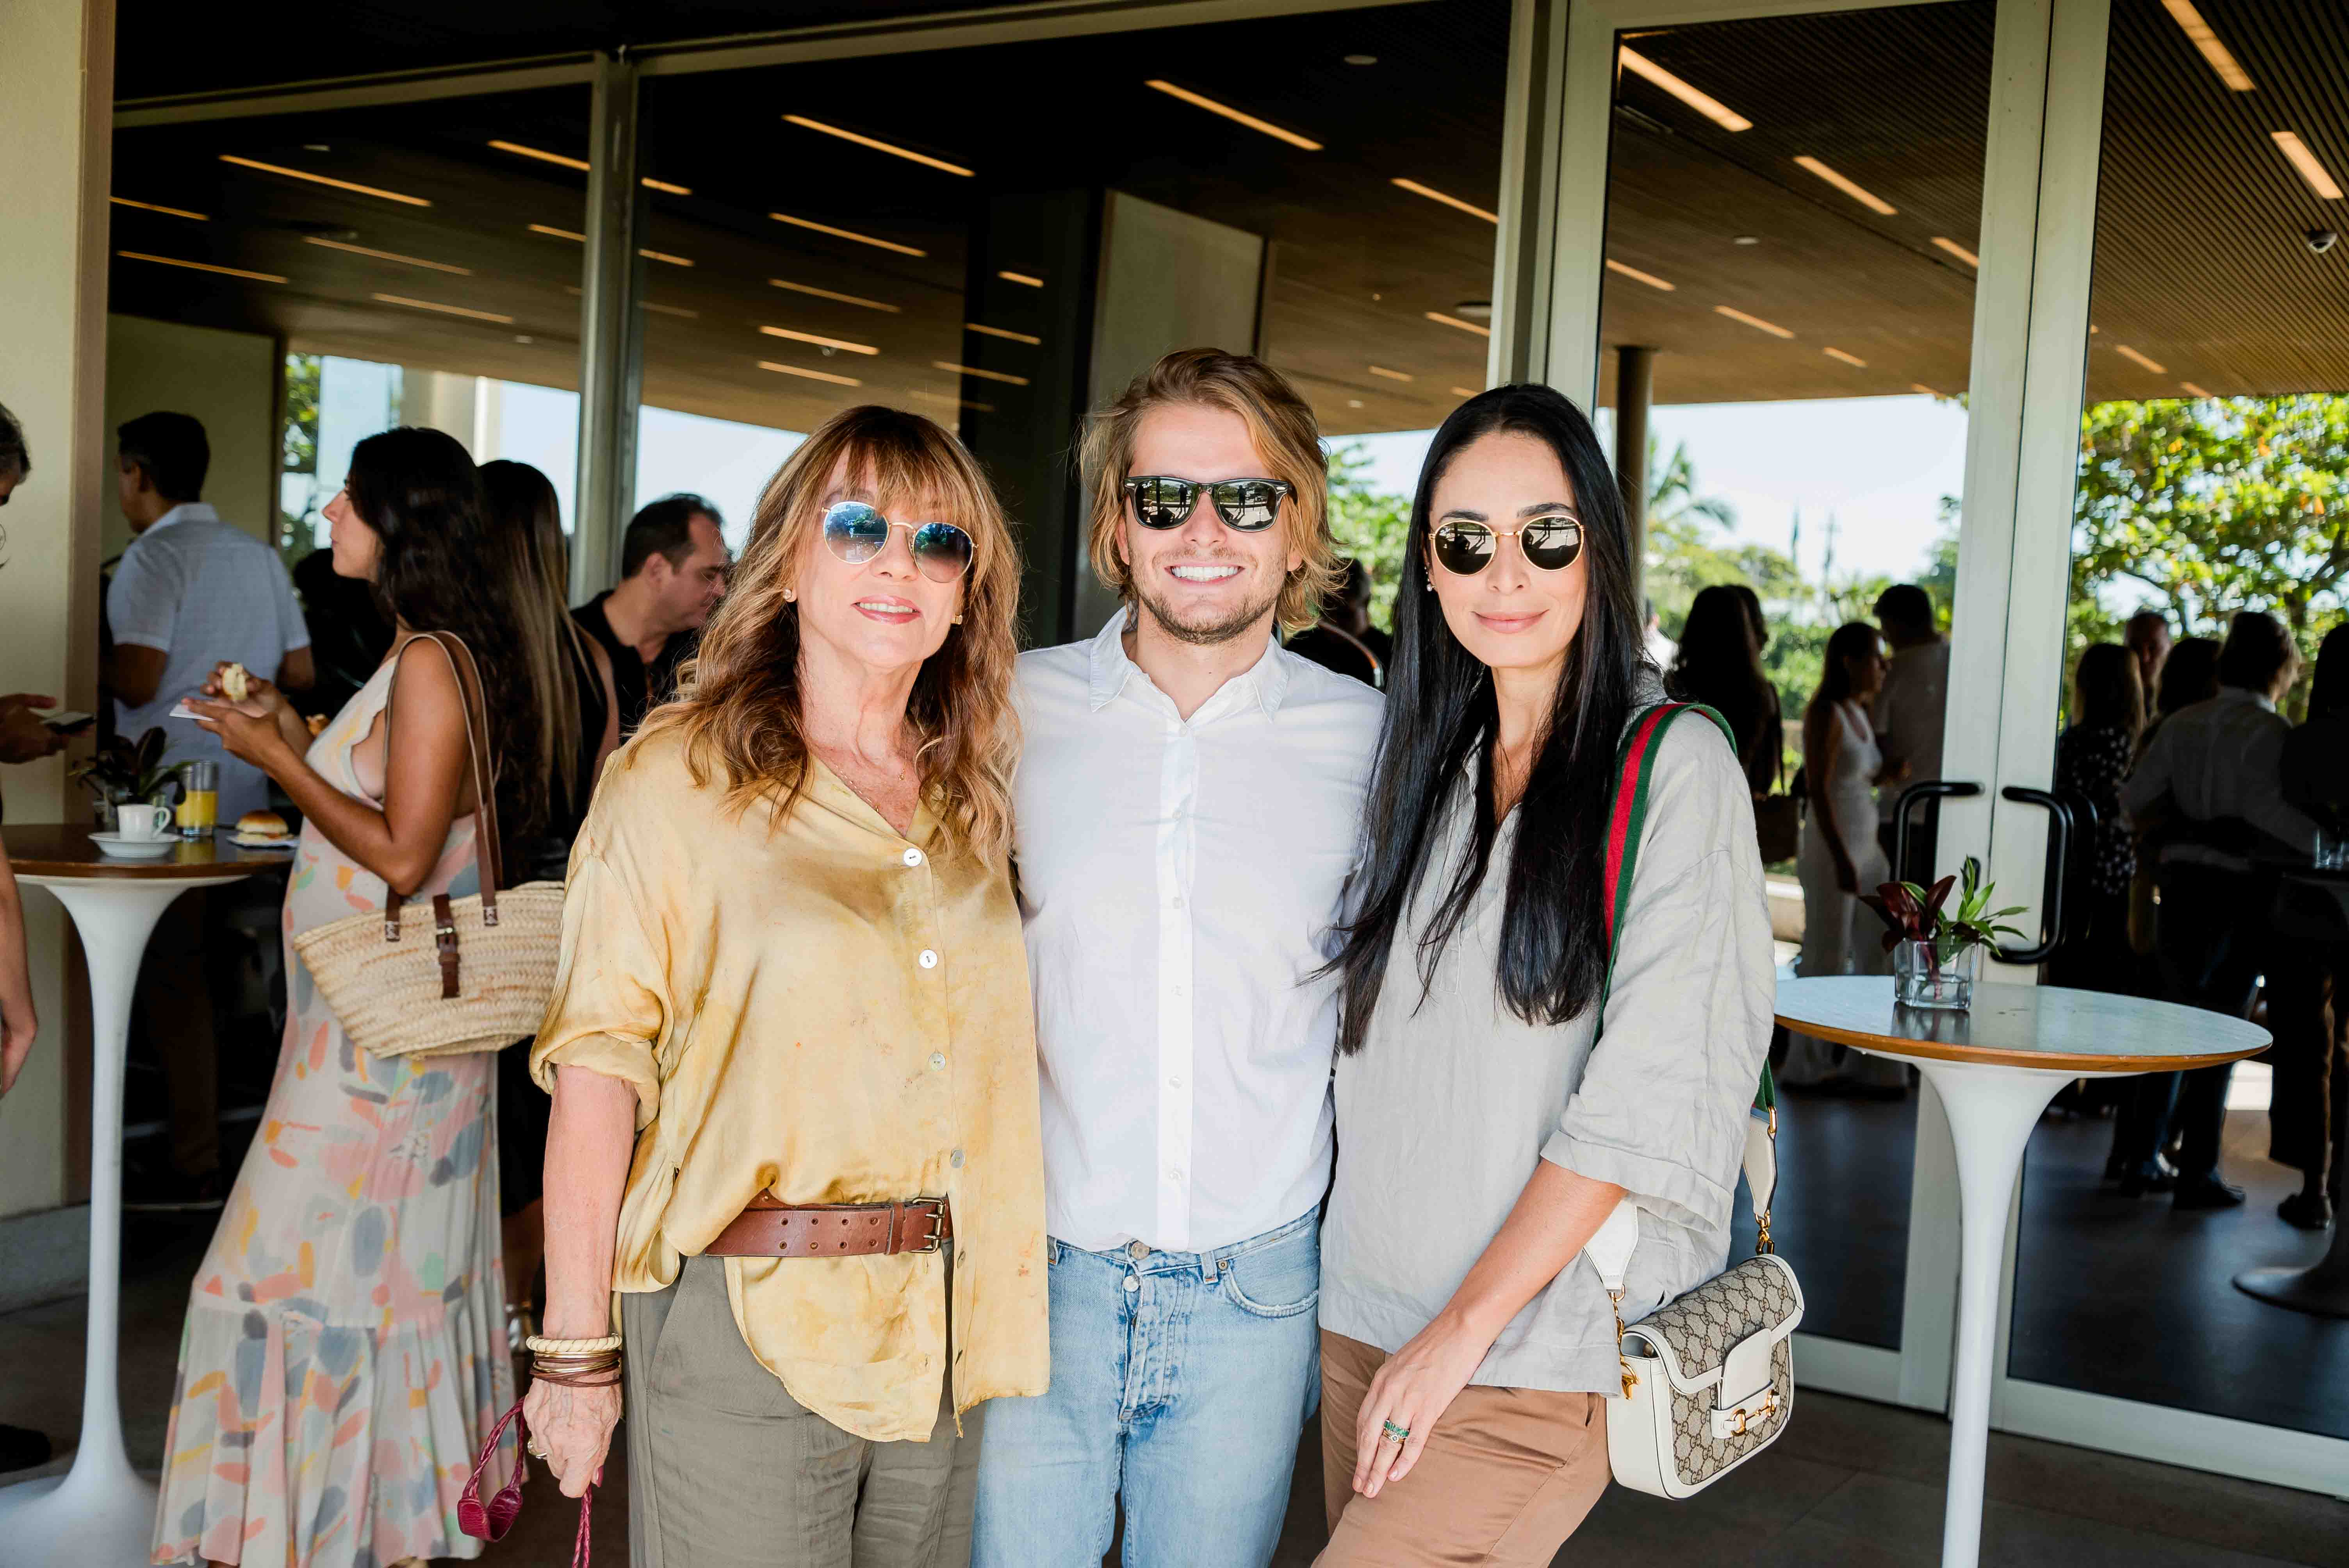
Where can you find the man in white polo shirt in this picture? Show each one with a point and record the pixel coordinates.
(1187, 808)
(190, 593)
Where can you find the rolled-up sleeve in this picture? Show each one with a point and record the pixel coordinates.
(1660, 1109)
(610, 1003)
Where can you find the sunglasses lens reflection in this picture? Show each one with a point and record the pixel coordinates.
(1162, 503)
(1247, 504)
(942, 551)
(1552, 543)
(854, 532)
(1463, 548)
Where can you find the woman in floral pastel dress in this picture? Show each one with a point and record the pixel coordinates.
(345, 1351)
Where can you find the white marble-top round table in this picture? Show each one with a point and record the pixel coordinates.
(1995, 1067)
(101, 1512)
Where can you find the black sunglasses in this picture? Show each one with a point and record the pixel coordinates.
(1248, 505)
(1549, 543)
(857, 532)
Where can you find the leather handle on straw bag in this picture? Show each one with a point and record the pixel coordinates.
(485, 806)
(489, 1521)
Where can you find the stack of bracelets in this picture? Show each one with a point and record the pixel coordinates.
(573, 1364)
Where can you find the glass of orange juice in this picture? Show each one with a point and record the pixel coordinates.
(198, 799)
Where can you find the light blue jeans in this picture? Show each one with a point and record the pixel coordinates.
(1180, 1380)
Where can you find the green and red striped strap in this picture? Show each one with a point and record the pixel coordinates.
(1629, 817)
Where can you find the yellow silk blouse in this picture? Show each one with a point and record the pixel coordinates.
(824, 1010)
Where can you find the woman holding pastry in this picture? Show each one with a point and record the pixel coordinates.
(345, 1351)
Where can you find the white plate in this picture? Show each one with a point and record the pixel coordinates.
(242, 842)
(114, 844)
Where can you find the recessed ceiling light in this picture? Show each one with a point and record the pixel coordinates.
(519, 150)
(1475, 309)
(858, 300)
(846, 234)
(1705, 103)
(649, 183)
(1438, 316)
(1353, 402)
(1361, 59)
(2198, 391)
(1772, 328)
(1235, 116)
(154, 207)
(1416, 189)
(1650, 279)
(1746, 240)
(388, 256)
(202, 266)
(802, 370)
(316, 147)
(2229, 70)
(1958, 251)
(1463, 392)
(891, 149)
(1031, 281)
(982, 375)
(444, 309)
(820, 340)
(322, 180)
(1002, 332)
(1852, 359)
(2319, 179)
(1858, 192)
(1391, 375)
(949, 400)
(1920, 387)
(665, 256)
(557, 233)
(2134, 357)
(525, 337)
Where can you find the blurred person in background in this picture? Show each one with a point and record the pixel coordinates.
(1719, 664)
(2147, 637)
(673, 567)
(2211, 784)
(579, 727)
(2092, 757)
(1344, 640)
(2308, 1003)
(357, 1260)
(1908, 711)
(1841, 858)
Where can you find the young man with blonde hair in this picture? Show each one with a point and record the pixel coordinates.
(1186, 809)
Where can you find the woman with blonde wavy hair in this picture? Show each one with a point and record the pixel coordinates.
(791, 1044)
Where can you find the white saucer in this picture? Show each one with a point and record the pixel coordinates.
(114, 844)
(242, 842)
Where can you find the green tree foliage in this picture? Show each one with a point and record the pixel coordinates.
(1370, 525)
(300, 449)
(2200, 508)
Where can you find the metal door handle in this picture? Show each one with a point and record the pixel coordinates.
(2060, 851)
(1931, 788)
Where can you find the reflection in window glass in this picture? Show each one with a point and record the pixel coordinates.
(1792, 228)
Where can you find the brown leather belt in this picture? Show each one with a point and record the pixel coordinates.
(768, 1229)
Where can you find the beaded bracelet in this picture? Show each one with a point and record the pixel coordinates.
(540, 1345)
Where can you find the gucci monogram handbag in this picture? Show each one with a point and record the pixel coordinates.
(1708, 1378)
(478, 975)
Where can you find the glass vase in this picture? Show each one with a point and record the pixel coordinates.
(1923, 977)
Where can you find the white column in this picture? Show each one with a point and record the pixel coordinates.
(56, 78)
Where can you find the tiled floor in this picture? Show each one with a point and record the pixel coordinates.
(1851, 1485)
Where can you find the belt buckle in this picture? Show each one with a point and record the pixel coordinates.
(937, 1215)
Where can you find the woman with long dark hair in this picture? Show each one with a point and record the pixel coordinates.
(1720, 664)
(578, 728)
(2092, 757)
(1840, 857)
(344, 1352)
(1485, 1129)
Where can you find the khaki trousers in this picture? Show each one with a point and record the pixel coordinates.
(1506, 1476)
(726, 1469)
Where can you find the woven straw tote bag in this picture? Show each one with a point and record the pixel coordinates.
(478, 975)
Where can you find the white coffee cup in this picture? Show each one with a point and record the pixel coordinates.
(142, 823)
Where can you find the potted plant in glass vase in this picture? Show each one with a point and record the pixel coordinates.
(125, 772)
(1937, 952)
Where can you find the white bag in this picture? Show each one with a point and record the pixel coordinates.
(1708, 1378)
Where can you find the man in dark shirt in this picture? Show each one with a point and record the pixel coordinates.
(673, 567)
(1345, 641)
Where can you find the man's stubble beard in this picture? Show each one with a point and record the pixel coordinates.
(1224, 630)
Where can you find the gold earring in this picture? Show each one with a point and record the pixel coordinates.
(791, 596)
(958, 620)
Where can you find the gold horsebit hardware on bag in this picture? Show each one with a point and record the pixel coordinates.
(1769, 1409)
(1615, 1305)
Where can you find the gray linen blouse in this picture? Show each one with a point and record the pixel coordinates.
(1444, 1109)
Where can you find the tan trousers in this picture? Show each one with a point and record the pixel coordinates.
(726, 1469)
(1506, 1476)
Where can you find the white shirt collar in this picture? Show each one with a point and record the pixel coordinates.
(2245, 694)
(186, 512)
(1266, 679)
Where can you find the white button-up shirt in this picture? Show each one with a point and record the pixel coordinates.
(1179, 880)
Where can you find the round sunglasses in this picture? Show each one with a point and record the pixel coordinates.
(856, 533)
(1550, 543)
(1248, 505)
